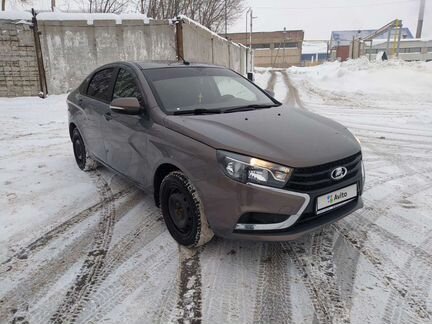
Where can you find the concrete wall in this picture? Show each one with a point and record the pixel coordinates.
(18, 66)
(202, 46)
(75, 45)
(72, 49)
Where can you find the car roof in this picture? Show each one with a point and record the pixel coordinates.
(170, 64)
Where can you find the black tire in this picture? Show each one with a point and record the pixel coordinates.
(82, 158)
(183, 212)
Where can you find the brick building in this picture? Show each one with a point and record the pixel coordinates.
(278, 49)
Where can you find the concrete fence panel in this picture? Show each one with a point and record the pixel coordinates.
(197, 44)
(73, 45)
(203, 46)
(72, 49)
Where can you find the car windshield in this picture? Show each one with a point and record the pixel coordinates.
(202, 90)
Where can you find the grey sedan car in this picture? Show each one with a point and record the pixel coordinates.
(220, 155)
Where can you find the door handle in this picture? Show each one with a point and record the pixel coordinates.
(108, 116)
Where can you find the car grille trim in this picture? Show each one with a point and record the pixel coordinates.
(318, 177)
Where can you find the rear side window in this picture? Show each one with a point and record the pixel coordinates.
(100, 84)
(126, 86)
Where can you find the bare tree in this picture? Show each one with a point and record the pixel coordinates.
(16, 4)
(210, 13)
(104, 6)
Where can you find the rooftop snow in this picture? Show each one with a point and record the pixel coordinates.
(90, 17)
(15, 15)
(313, 47)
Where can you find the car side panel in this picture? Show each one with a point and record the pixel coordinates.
(94, 111)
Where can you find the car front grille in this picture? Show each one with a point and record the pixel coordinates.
(318, 177)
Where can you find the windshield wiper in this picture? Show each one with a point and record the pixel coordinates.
(197, 111)
(249, 107)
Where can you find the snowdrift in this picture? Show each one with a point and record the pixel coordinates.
(362, 82)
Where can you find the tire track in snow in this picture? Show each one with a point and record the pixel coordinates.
(318, 265)
(422, 278)
(273, 297)
(271, 81)
(293, 96)
(103, 298)
(36, 282)
(42, 312)
(45, 239)
(223, 300)
(324, 273)
(393, 275)
(189, 286)
(93, 264)
(296, 251)
(147, 262)
(356, 230)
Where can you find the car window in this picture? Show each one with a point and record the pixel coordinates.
(229, 86)
(126, 86)
(100, 84)
(186, 88)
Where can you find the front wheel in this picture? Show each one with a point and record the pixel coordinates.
(183, 212)
(82, 158)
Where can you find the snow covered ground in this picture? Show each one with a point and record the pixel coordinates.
(89, 247)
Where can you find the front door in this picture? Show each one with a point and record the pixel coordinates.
(126, 135)
(96, 106)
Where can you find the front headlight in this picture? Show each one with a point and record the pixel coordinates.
(247, 169)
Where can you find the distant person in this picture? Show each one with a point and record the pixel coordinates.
(384, 57)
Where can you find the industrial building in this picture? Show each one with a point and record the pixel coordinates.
(409, 49)
(314, 52)
(277, 49)
(340, 41)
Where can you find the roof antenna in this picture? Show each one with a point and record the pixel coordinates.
(179, 37)
(184, 61)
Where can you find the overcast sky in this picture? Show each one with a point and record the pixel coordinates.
(316, 17)
(319, 17)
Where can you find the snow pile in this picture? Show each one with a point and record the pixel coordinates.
(363, 82)
(90, 17)
(65, 16)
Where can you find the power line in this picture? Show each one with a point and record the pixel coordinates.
(338, 7)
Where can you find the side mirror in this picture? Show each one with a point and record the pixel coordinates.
(128, 105)
(270, 92)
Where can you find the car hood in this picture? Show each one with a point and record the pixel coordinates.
(289, 136)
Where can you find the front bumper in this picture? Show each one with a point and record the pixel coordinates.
(297, 230)
(225, 201)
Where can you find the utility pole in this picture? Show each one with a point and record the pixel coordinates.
(420, 18)
(3, 5)
(53, 4)
(250, 39)
(226, 23)
(176, 8)
(246, 37)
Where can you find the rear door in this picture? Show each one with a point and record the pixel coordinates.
(96, 106)
(126, 135)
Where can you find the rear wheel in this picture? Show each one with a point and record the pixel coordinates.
(82, 158)
(182, 211)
